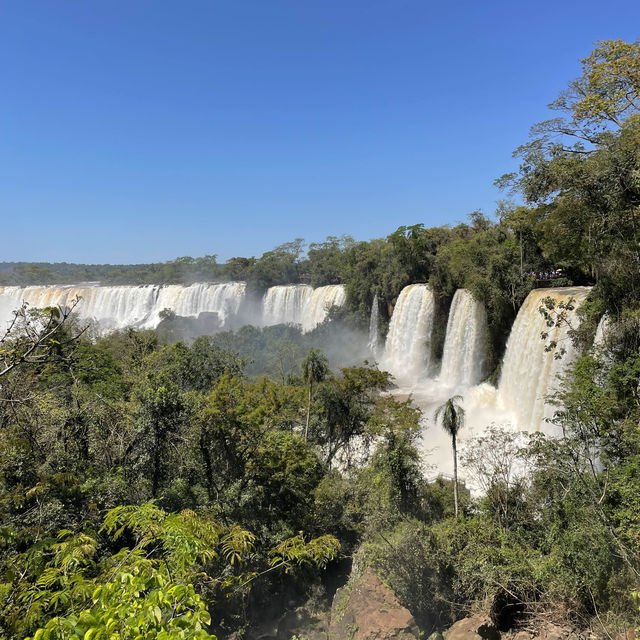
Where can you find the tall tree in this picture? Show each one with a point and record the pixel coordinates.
(314, 369)
(451, 414)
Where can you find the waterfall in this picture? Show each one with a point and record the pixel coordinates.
(373, 343)
(223, 299)
(601, 331)
(118, 307)
(317, 306)
(407, 351)
(463, 359)
(128, 306)
(529, 373)
(285, 304)
(300, 304)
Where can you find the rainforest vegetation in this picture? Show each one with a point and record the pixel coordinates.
(159, 489)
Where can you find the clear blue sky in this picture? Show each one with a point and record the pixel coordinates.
(142, 130)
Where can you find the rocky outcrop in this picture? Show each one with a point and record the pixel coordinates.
(366, 609)
(477, 627)
(481, 627)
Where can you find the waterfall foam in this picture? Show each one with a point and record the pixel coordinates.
(407, 352)
(529, 372)
(464, 355)
(128, 306)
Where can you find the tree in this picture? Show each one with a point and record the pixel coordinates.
(347, 404)
(37, 336)
(452, 415)
(164, 410)
(314, 369)
(150, 587)
(580, 172)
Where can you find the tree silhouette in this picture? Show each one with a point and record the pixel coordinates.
(451, 415)
(314, 369)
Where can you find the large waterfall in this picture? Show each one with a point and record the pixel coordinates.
(128, 306)
(408, 347)
(464, 355)
(529, 372)
(300, 304)
(141, 306)
(317, 307)
(284, 304)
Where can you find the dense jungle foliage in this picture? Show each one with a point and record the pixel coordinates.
(158, 489)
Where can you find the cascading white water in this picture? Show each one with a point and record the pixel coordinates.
(300, 304)
(223, 299)
(140, 306)
(601, 331)
(529, 373)
(285, 304)
(374, 342)
(318, 304)
(464, 354)
(128, 306)
(407, 351)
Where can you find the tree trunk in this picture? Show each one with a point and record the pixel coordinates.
(455, 475)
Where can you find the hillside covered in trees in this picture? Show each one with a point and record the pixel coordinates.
(152, 488)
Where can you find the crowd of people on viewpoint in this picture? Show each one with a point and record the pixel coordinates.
(544, 275)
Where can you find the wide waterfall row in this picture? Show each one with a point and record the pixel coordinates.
(530, 370)
(118, 307)
(531, 365)
(129, 306)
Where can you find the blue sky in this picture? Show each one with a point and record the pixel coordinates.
(142, 130)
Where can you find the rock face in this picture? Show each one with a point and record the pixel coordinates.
(477, 627)
(366, 609)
